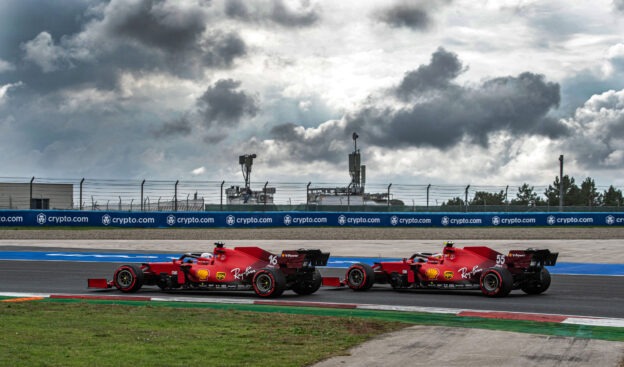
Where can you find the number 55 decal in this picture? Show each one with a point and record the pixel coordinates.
(500, 260)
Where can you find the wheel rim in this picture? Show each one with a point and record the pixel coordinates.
(264, 283)
(125, 278)
(356, 277)
(491, 282)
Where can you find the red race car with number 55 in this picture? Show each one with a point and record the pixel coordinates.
(477, 267)
(238, 268)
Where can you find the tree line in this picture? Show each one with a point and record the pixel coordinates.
(573, 195)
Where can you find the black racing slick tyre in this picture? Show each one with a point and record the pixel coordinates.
(269, 283)
(538, 285)
(128, 278)
(309, 286)
(360, 277)
(496, 282)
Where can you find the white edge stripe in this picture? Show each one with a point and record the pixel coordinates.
(409, 309)
(595, 322)
(20, 295)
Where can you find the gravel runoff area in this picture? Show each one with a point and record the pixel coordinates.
(589, 245)
(319, 233)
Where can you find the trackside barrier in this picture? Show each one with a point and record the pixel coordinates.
(76, 218)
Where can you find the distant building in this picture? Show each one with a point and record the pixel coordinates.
(44, 196)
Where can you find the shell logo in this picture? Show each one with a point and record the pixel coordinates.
(203, 274)
(432, 273)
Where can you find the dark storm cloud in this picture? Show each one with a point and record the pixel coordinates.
(414, 15)
(304, 147)
(178, 36)
(221, 49)
(23, 20)
(122, 36)
(443, 68)
(224, 105)
(282, 15)
(619, 5)
(237, 9)
(518, 105)
(405, 15)
(152, 24)
(181, 126)
(438, 112)
(275, 11)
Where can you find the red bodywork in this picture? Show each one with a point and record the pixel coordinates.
(233, 268)
(475, 267)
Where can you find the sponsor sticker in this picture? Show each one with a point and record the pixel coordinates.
(220, 275)
(203, 274)
(432, 273)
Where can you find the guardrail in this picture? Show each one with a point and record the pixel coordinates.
(234, 219)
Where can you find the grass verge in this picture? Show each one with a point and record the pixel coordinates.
(70, 332)
(98, 334)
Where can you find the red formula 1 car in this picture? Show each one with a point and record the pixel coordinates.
(226, 268)
(458, 268)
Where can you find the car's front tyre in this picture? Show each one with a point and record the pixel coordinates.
(360, 277)
(128, 278)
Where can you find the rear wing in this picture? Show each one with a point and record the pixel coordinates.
(532, 258)
(544, 257)
(303, 258)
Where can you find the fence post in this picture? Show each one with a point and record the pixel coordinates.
(428, 187)
(466, 198)
(349, 197)
(142, 206)
(81, 182)
(221, 197)
(31, 193)
(265, 194)
(175, 196)
(308, 195)
(389, 194)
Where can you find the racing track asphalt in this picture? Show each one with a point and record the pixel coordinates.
(602, 296)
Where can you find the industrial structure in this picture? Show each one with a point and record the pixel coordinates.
(354, 193)
(237, 195)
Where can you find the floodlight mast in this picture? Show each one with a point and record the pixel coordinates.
(246, 161)
(355, 170)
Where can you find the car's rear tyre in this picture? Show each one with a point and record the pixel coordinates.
(360, 277)
(538, 285)
(309, 286)
(269, 283)
(128, 278)
(496, 282)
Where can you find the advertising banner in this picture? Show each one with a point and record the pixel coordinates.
(76, 218)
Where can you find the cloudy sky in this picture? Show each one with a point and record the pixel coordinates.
(455, 91)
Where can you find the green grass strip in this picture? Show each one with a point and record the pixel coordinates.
(532, 327)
